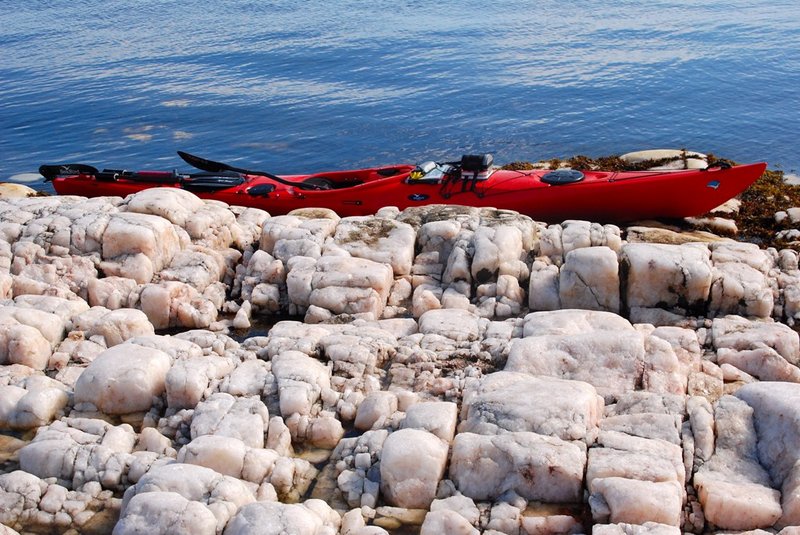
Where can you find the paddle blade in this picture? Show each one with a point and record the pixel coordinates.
(50, 172)
(204, 164)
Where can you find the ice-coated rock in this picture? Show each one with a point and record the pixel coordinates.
(123, 379)
(412, 463)
(667, 276)
(165, 513)
(512, 401)
(534, 466)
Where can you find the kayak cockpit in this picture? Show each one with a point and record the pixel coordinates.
(195, 182)
(474, 167)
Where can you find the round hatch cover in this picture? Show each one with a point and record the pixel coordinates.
(562, 176)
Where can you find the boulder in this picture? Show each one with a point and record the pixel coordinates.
(533, 466)
(412, 463)
(123, 379)
(511, 401)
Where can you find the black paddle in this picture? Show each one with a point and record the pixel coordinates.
(216, 167)
(50, 172)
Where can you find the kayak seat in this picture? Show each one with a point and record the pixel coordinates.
(203, 182)
(562, 176)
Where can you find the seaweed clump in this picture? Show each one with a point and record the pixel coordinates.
(604, 163)
(756, 218)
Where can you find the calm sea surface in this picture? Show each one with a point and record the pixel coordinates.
(307, 86)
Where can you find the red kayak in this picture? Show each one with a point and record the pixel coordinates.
(545, 195)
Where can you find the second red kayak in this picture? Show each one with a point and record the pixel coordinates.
(545, 195)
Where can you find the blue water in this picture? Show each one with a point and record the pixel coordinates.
(308, 86)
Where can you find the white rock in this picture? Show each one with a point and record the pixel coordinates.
(589, 279)
(376, 410)
(776, 410)
(173, 304)
(174, 204)
(119, 325)
(246, 419)
(412, 463)
(165, 513)
(275, 518)
(667, 276)
(456, 324)
(509, 401)
(112, 292)
(732, 486)
(648, 528)
(618, 499)
(437, 417)
(446, 522)
(220, 453)
(497, 252)
(301, 380)
(543, 287)
(137, 246)
(23, 344)
(384, 241)
(191, 380)
(610, 361)
(222, 495)
(534, 466)
(735, 332)
(738, 288)
(51, 326)
(346, 285)
(123, 379)
(197, 266)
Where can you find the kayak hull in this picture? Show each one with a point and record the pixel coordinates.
(599, 196)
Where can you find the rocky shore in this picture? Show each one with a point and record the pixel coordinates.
(446, 370)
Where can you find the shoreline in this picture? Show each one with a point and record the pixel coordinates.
(620, 380)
